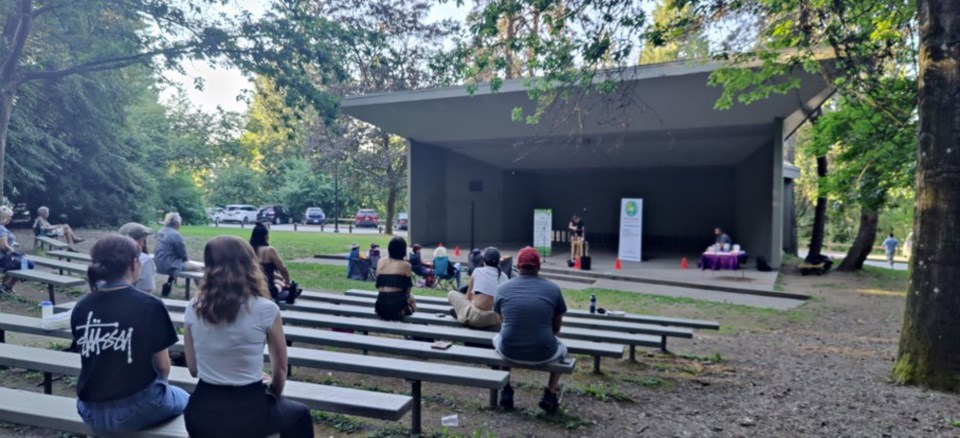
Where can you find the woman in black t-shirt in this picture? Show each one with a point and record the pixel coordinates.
(122, 335)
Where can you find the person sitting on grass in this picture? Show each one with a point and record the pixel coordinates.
(7, 249)
(278, 277)
(122, 335)
(43, 228)
(530, 309)
(225, 329)
(394, 281)
(475, 309)
(147, 280)
(171, 255)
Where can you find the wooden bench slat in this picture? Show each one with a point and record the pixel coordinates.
(327, 398)
(70, 255)
(59, 264)
(650, 319)
(51, 242)
(55, 280)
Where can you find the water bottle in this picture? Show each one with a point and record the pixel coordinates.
(46, 309)
(24, 264)
(593, 303)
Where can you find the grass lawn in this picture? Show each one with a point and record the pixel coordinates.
(291, 244)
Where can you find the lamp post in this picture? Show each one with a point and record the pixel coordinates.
(336, 198)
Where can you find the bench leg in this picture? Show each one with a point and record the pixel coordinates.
(47, 383)
(289, 367)
(663, 344)
(50, 292)
(415, 428)
(596, 365)
(3, 336)
(494, 394)
(187, 289)
(633, 353)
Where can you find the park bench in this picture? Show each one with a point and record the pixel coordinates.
(579, 313)
(369, 325)
(50, 279)
(347, 401)
(571, 324)
(70, 256)
(60, 413)
(413, 371)
(49, 242)
(189, 276)
(60, 265)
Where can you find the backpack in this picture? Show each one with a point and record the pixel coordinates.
(762, 265)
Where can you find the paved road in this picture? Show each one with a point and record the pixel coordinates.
(344, 229)
(897, 266)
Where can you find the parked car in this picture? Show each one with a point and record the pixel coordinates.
(215, 214)
(21, 217)
(402, 222)
(240, 213)
(314, 215)
(274, 214)
(366, 217)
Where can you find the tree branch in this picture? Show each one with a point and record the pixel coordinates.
(9, 68)
(104, 64)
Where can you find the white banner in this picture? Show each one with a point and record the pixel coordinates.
(542, 230)
(631, 229)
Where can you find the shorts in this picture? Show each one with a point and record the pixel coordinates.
(559, 355)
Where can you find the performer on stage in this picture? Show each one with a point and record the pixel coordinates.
(576, 236)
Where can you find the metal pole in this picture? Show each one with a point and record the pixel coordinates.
(472, 224)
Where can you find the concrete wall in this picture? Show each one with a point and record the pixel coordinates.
(754, 202)
(427, 173)
(681, 206)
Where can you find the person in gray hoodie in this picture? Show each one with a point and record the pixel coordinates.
(171, 253)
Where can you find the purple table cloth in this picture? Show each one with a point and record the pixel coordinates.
(722, 261)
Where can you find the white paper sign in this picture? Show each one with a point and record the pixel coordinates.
(542, 230)
(631, 229)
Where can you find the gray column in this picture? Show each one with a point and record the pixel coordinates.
(776, 229)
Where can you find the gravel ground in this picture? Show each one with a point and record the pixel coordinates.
(819, 371)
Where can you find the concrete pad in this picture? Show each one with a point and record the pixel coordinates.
(700, 294)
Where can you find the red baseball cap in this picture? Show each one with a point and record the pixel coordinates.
(528, 258)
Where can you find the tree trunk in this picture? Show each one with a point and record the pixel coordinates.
(863, 244)
(7, 92)
(929, 353)
(391, 206)
(820, 214)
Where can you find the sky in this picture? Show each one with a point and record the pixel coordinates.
(222, 86)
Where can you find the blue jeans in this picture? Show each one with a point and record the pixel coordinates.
(155, 404)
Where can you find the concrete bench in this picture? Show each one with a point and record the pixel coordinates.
(570, 323)
(70, 256)
(51, 280)
(49, 242)
(347, 401)
(60, 265)
(60, 413)
(579, 313)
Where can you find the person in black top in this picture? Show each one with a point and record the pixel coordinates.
(722, 238)
(278, 277)
(394, 281)
(417, 264)
(122, 335)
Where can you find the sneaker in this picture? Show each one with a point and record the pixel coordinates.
(78, 240)
(506, 398)
(453, 313)
(549, 402)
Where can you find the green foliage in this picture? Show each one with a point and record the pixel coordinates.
(300, 186)
(675, 35)
(602, 392)
(179, 193)
(340, 423)
(236, 184)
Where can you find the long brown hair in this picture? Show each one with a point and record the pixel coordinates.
(231, 276)
(111, 258)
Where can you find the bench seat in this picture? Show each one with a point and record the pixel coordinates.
(70, 256)
(50, 279)
(326, 398)
(579, 313)
(60, 413)
(50, 243)
(60, 265)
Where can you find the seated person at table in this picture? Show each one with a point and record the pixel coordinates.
(171, 255)
(7, 243)
(722, 238)
(417, 264)
(43, 228)
(530, 309)
(475, 309)
(225, 329)
(147, 280)
(394, 281)
(122, 335)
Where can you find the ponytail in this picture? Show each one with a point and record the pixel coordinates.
(111, 258)
(96, 273)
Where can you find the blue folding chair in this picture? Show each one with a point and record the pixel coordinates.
(444, 280)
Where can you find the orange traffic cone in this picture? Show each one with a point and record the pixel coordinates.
(576, 263)
(683, 263)
(617, 265)
(456, 250)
